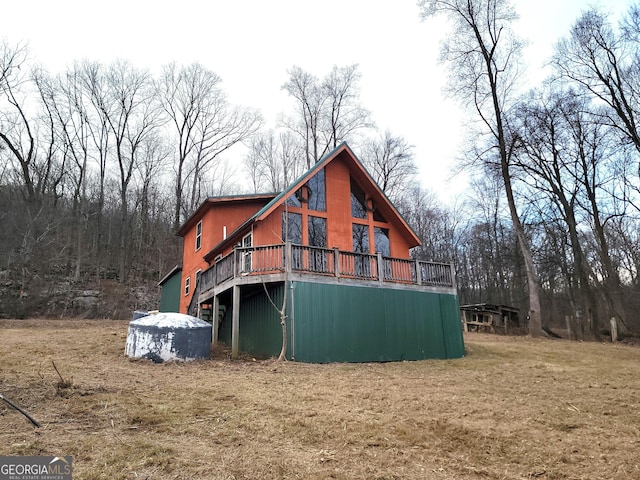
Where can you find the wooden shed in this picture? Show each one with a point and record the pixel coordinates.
(487, 316)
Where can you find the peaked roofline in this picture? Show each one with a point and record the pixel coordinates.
(221, 199)
(273, 204)
(270, 207)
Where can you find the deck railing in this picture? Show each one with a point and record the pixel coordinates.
(270, 259)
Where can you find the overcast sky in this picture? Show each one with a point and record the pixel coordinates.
(250, 44)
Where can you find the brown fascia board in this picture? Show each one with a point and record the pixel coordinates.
(195, 216)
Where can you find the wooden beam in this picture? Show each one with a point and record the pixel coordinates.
(235, 321)
(215, 313)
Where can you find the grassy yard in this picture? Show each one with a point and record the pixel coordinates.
(513, 408)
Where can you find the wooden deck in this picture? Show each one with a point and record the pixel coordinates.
(270, 263)
(288, 262)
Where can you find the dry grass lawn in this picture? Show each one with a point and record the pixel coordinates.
(513, 408)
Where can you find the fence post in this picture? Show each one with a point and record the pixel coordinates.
(418, 272)
(336, 262)
(380, 262)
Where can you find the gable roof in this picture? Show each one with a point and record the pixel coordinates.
(362, 176)
(188, 224)
(172, 272)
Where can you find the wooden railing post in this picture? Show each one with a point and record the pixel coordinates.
(336, 262)
(452, 274)
(288, 257)
(235, 262)
(380, 262)
(418, 272)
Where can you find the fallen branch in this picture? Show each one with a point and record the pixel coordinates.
(31, 419)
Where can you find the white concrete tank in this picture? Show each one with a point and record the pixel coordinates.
(168, 336)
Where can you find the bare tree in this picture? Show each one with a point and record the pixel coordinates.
(304, 88)
(605, 63)
(345, 116)
(273, 161)
(131, 114)
(328, 111)
(389, 160)
(482, 54)
(204, 125)
(552, 132)
(16, 131)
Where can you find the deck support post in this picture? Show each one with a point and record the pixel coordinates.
(215, 320)
(235, 321)
(380, 267)
(418, 272)
(336, 262)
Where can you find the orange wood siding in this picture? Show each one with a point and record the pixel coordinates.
(230, 214)
(339, 233)
(233, 213)
(338, 214)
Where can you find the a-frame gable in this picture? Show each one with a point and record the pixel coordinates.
(359, 172)
(363, 178)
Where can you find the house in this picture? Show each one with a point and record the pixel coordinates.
(340, 250)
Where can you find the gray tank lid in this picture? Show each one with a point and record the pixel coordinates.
(170, 320)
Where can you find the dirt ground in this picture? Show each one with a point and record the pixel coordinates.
(513, 408)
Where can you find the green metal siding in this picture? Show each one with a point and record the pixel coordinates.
(170, 294)
(259, 323)
(338, 323)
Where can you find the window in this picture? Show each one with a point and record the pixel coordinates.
(381, 241)
(358, 201)
(317, 231)
(197, 284)
(318, 259)
(292, 227)
(361, 264)
(317, 196)
(377, 216)
(246, 264)
(360, 238)
(294, 200)
(199, 235)
(312, 193)
(187, 286)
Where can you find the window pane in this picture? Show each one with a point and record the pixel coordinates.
(292, 227)
(294, 200)
(377, 216)
(360, 238)
(381, 241)
(317, 195)
(317, 231)
(199, 235)
(358, 209)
